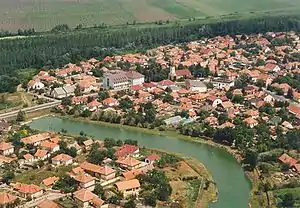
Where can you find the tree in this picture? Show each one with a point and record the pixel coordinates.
(77, 91)
(125, 103)
(168, 98)
(66, 101)
(130, 204)
(238, 99)
(150, 199)
(99, 191)
(21, 116)
(251, 159)
(131, 142)
(102, 95)
(116, 199)
(226, 135)
(66, 184)
(290, 94)
(288, 200)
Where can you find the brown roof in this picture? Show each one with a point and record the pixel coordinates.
(84, 178)
(28, 156)
(35, 138)
(46, 203)
(125, 185)
(153, 157)
(91, 167)
(27, 189)
(6, 198)
(5, 146)
(286, 159)
(85, 195)
(6, 159)
(128, 161)
(48, 144)
(40, 153)
(250, 121)
(77, 170)
(106, 170)
(62, 157)
(50, 181)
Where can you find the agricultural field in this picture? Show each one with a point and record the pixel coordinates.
(44, 14)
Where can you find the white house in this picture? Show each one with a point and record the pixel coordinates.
(6, 148)
(62, 159)
(135, 78)
(85, 181)
(129, 188)
(116, 80)
(35, 85)
(220, 83)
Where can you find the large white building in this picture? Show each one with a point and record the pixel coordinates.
(120, 80)
(221, 83)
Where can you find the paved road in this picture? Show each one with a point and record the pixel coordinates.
(30, 109)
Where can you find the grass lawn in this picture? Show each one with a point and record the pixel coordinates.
(36, 176)
(15, 101)
(44, 14)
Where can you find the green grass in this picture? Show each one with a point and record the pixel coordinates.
(37, 176)
(44, 14)
(294, 191)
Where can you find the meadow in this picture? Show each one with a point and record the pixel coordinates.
(45, 14)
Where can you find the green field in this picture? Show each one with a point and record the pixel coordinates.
(44, 14)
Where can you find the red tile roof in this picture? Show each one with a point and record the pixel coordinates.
(27, 189)
(50, 181)
(62, 157)
(6, 198)
(286, 159)
(125, 185)
(153, 157)
(5, 146)
(126, 150)
(46, 203)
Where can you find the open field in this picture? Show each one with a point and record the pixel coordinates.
(44, 14)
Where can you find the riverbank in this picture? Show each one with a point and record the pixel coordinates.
(229, 176)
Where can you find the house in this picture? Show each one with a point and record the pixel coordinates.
(288, 160)
(149, 86)
(111, 102)
(85, 181)
(135, 78)
(62, 159)
(4, 159)
(222, 83)
(7, 200)
(46, 203)
(295, 110)
(270, 67)
(269, 99)
(50, 181)
(28, 190)
(62, 92)
(152, 158)
(28, 158)
(214, 101)
(195, 85)
(250, 122)
(35, 139)
(179, 74)
(129, 163)
(252, 113)
(107, 173)
(41, 154)
(4, 126)
(94, 105)
(164, 84)
(88, 144)
(131, 174)
(49, 146)
(116, 80)
(296, 167)
(84, 198)
(35, 85)
(129, 188)
(6, 148)
(127, 150)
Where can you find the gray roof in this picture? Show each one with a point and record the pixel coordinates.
(173, 120)
(59, 91)
(196, 83)
(69, 88)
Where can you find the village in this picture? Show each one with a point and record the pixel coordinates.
(242, 91)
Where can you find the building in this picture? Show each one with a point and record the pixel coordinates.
(62, 92)
(62, 159)
(179, 74)
(129, 188)
(250, 122)
(50, 181)
(7, 200)
(49, 146)
(107, 173)
(129, 163)
(152, 158)
(173, 120)
(5, 126)
(35, 85)
(195, 85)
(221, 83)
(135, 78)
(46, 203)
(85, 198)
(28, 191)
(6, 148)
(111, 102)
(35, 139)
(116, 80)
(41, 155)
(85, 181)
(127, 150)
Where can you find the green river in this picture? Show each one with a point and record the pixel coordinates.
(232, 184)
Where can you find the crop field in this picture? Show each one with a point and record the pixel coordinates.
(44, 14)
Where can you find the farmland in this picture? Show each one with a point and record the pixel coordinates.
(44, 14)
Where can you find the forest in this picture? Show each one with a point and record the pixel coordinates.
(58, 47)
